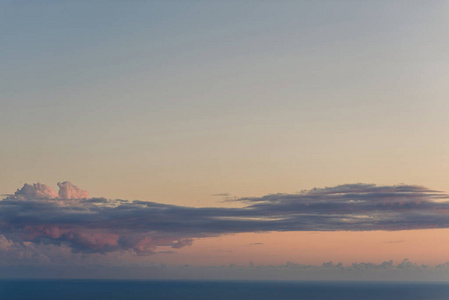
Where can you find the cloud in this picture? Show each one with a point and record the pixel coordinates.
(36, 215)
(404, 270)
(35, 191)
(182, 243)
(221, 195)
(70, 191)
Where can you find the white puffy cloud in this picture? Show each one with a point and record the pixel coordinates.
(35, 191)
(69, 191)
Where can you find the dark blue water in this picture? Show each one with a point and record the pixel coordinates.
(219, 290)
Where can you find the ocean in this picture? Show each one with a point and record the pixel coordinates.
(218, 290)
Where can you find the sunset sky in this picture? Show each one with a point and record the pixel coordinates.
(212, 133)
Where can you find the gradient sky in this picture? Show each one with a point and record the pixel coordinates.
(182, 102)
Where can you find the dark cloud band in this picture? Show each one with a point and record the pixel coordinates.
(37, 214)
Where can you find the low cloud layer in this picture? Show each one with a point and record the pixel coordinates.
(404, 270)
(37, 215)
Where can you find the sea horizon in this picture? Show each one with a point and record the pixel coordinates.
(74, 289)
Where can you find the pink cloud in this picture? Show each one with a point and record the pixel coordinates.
(69, 191)
(35, 191)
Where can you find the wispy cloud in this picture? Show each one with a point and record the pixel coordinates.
(221, 194)
(37, 214)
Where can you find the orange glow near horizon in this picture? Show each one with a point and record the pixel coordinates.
(419, 246)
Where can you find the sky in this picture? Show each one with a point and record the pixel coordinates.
(210, 133)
